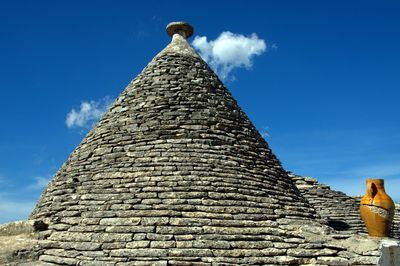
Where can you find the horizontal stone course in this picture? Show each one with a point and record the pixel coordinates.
(120, 221)
(111, 237)
(58, 260)
(139, 252)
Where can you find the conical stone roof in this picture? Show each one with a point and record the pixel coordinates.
(174, 172)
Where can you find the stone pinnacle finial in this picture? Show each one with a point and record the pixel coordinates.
(182, 28)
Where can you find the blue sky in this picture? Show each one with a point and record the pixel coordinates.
(324, 91)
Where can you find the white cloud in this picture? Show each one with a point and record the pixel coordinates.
(88, 114)
(265, 132)
(229, 51)
(39, 183)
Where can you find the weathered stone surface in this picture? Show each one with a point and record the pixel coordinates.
(110, 237)
(299, 252)
(163, 244)
(71, 236)
(113, 245)
(97, 263)
(155, 220)
(138, 244)
(120, 221)
(58, 260)
(364, 260)
(143, 263)
(130, 229)
(396, 222)
(389, 252)
(178, 230)
(160, 237)
(190, 252)
(139, 252)
(80, 245)
(332, 261)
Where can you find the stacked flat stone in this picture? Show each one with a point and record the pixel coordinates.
(176, 174)
(339, 210)
(396, 222)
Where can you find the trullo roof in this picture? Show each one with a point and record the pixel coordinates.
(174, 172)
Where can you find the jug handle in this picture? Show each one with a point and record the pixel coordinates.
(374, 191)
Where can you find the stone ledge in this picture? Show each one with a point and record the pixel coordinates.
(18, 242)
(22, 227)
(389, 251)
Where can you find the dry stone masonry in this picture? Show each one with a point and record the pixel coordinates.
(176, 174)
(340, 211)
(396, 222)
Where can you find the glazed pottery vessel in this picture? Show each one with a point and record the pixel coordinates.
(377, 209)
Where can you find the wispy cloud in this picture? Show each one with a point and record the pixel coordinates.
(274, 46)
(265, 132)
(18, 201)
(39, 183)
(229, 51)
(88, 114)
(12, 210)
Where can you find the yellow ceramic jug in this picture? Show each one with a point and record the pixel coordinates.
(377, 209)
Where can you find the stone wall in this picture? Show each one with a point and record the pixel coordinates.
(389, 250)
(396, 222)
(18, 242)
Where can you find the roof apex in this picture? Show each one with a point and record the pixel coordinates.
(182, 28)
(179, 45)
